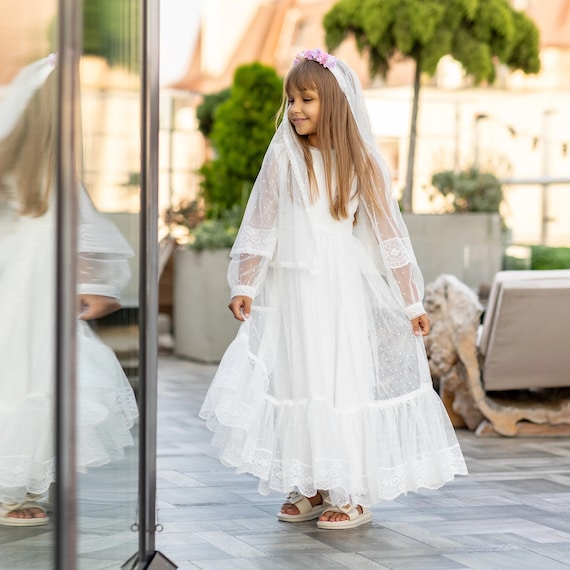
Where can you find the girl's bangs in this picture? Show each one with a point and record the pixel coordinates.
(303, 76)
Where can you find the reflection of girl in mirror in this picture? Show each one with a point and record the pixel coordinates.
(106, 404)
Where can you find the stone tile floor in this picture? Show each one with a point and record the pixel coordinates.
(511, 512)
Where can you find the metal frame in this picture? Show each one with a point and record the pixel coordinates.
(69, 43)
(148, 287)
(69, 40)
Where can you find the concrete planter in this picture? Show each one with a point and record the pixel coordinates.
(203, 325)
(467, 245)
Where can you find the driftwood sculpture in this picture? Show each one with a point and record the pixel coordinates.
(455, 312)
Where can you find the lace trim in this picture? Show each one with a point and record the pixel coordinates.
(19, 476)
(397, 252)
(245, 439)
(255, 241)
(430, 472)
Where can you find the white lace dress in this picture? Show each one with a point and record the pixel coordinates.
(106, 404)
(326, 386)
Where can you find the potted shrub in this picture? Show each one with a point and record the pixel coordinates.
(239, 124)
(467, 239)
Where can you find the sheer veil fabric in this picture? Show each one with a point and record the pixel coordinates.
(326, 386)
(106, 405)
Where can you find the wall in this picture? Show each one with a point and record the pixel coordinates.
(467, 245)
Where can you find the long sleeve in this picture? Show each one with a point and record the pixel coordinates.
(382, 227)
(257, 236)
(103, 253)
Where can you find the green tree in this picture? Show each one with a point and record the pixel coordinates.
(206, 111)
(242, 129)
(111, 29)
(477, 33)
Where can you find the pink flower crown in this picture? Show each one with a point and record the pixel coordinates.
(327, 60)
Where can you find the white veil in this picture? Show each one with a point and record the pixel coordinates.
(102, 249)
(381, 228)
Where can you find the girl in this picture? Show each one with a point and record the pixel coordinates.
(326, 393)
(107, 407)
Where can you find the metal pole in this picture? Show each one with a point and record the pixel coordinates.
(545, 173)
(457, 139)
(66, 279)
(148, 286)
(477, 138)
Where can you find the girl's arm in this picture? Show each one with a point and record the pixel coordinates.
(96, 306)
(257, 237)
(384, 224)
(103, 254)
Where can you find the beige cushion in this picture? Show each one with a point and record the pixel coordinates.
(525, 340)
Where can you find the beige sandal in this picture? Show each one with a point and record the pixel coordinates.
(306, 511)
(6, 520)
(356, 518)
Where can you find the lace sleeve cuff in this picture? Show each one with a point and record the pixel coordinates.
(245, 290)
(415, 310)
(98, 289)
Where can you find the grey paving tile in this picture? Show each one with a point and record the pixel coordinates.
(367, 537)
(423, 535)
(510, 512)
(511, 560)
(423, 562)
(279, 543)
(295, 562)
(558, 552)
(166, 479)
(237, 547)
(355, 560)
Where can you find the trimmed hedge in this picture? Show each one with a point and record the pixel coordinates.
(544, 257)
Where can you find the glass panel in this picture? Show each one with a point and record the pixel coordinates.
(108, 346)
(28, 95)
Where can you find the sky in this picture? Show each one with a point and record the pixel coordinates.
(179, 25)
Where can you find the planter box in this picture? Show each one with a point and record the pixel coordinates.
(467, 245)
(203, 325)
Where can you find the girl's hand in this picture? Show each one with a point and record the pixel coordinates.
(96, 306)
(421, 325)
(240, 306)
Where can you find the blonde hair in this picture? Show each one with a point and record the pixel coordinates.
(28, 152)
(337, 131)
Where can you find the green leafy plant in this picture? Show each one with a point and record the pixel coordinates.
(242, 129)
(206, 111)
(218, 232)
(111, 30)
(477, 33)
(545, 257)
(470, 190)
(538, 257)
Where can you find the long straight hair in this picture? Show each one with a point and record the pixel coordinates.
(28, 152)
(345, 155)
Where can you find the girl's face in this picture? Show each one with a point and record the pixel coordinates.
(303, 111)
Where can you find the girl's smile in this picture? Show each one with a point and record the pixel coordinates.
(303, 111)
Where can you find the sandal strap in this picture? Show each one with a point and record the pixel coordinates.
(11, 507)
(351, 511)
(300, 501)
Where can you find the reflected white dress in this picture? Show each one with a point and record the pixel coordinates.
(106, 404)
(325, 386)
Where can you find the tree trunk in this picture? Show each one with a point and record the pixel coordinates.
(407, 198)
